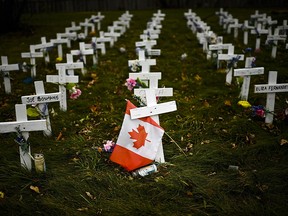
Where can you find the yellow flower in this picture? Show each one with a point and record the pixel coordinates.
(1, 195)
(59, 59)
(244, 104)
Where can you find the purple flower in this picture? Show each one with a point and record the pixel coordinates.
(109, 146)
(130, 83)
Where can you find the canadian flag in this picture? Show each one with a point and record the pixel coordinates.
(138, 141)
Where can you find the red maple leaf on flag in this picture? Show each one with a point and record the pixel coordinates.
(139, 137)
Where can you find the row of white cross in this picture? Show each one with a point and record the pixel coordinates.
(65, 75)
(194, 22)
(257, 27)
(148, 95)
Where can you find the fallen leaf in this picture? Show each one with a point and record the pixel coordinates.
(1, 195)
(198, 78)
(206, 104)
(82, 209)
(227, 102)
(283, 142)
(59, 136)
(90, 195)
(35, 188)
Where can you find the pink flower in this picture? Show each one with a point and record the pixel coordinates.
(75, 93)
(260, 112)
(130, 83)
(109, 146)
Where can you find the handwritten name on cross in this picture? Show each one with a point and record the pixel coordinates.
(44, 47)
(273, 40)
(258, 31)
(32, 55)
(81, 53)
(62, 79)
(246, 73)
(41, 100)
(271, 89)
(4, 69)
(231, 59)
(145, 63)
(23, 127)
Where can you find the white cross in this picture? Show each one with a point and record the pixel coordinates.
(154, 110)
(219, 48)
(62, 79)
(246, 29)
(73, 28)
(144, 63)
(148, 44)
(258, 31)
(69, 35)
(23, 126)
(236, 26)
(58, 42)
(32, 55)
(221, 13)
(5, 68)
(226, 22)
(41, 100)
(112, 34)
(233, 58)
(81, 53)
(70, 66)
(86, 24)
(97, 19)
(44, 47)
(103, 39)
(283, 28)
(274, 39)
(246, 73)
(257, 16)
(271, 88)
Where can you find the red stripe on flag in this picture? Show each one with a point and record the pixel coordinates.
(128, 159)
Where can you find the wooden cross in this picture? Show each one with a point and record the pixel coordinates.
(271, 89)
(97, 19)
(44, 47)
(32, 55)
(154, 110)
(70, 66)
(148, 44)
(4, 69)
(112, 34)
(246, 29)
(231, 59)
(219, 48)
(236, 26)
(246, 73)
(274, 40)
(23, 127)
(69, 36)
(86, 24)
(58, 42)
(103, 39)
(62, 79)
(258, 31)
(41, 100)
(81, 53)
(144, 63)
(73, 28)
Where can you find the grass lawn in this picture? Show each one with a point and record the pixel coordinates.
(209, 126)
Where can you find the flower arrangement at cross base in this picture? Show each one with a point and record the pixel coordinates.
(74, 92)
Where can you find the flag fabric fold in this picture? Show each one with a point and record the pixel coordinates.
(138, 141)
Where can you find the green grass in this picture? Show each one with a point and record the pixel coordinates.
(81, 181)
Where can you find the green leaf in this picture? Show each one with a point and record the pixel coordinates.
(69, 86)
(32, 112)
